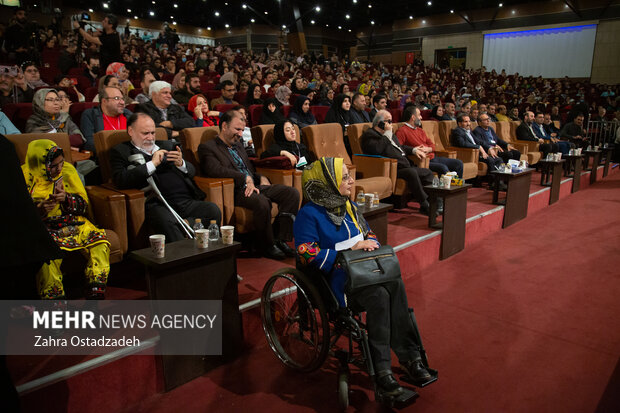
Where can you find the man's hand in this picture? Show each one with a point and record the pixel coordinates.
(76, 25)
(492, 153)
(20, 81)
(367, 245)
(419, 152)
(166, 124)
(176, 156)
(541, 141)
(158, 157)
(483, 153)
(499, 148)
(510, 147)
(249, 186)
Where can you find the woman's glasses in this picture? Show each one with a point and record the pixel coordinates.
(53, 100)
(347, 177)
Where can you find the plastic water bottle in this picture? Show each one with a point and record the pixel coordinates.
(198, 224)
(214, 232)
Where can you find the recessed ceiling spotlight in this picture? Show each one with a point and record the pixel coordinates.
(339, 27)
(513, 12)
(410, 17)
(423, 21)
(327, 25)
(227, 25)
(174, 23)
(451, 11)
(252, 20)
(135, 17)
(217, 14)
(245, 6)
(370, 6)
(209, 28)
(105, 5)
(90, 10)
(128, 10)
(312, 22)
(317, 8)
(266, 12)
(152, 13)
(284, 26)
(372, 22)
(349, 30)
(176, 6)
(430, 3)
(354, 1)
(501, 4)
(347, 16)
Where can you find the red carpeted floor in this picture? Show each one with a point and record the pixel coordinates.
(527, 320)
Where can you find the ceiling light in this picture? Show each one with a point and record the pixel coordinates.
(349, 30)
(252, 20)
(176, 6)
(266, 13)
(372, 22)
(513, 12)
(152, 13)
(227, 25)
(312, 21)
(430, 3)
(354, 1)
(128, 10)
(174, 23)
(284, 26)
(153, 2)
(105, 5)
(317, 8)
(501, 4)
(217, 14)
(423, 21)
(347, 16)
(451, 11)
(410, 17)
(339, 27)
(90, 10)
(370, 6)
(135, 17)
(245, 6)
(172, 17)
(327, 25)
(209, 28)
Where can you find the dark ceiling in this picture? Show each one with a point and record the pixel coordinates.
(333, 13)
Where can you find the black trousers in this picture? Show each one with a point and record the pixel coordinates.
(511, 154)
(161, 220)
(546, 148)
(388, 322)
(416, 179)
(444, 165)
(492, 164)
(287, 199)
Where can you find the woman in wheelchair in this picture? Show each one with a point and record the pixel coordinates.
(329, 222)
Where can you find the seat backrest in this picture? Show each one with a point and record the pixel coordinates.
(326, 140)
(319, 112)
(354, 132)
(191, 138)
(22, 115)
(431, 127)
(514, 124)
(76, 109)
(445, 129)
(256, 111)
(21, 141)
(396, 114)
(224, 107)
(268, 137)
(258, 135)
(107, 139)
(502, 129)
(286, 110)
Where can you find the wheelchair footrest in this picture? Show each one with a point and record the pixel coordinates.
(403, 400)
(421, 383)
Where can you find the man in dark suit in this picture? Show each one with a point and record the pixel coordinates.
(495, 146)
(164, 113)
(224, 157)
(462, 137)
(172, 175)
(541, 132)
(379, 140)
(525, 132)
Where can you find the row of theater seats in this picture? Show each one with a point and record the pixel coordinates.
(121, 212)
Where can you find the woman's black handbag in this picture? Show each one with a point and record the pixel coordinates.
(366, 268)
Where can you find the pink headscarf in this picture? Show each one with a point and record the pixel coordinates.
(114, 68)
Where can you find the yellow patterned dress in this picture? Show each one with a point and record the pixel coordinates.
(66, 222)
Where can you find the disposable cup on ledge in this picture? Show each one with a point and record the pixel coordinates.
(158, 245)
(228, 233)
(202, 238)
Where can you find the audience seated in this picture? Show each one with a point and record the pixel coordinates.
(189, 89)
(111, 114)
(541, 132)
(166, 114)
(6, 126)
(146, 78)
(163, 161)
(285, 144)
(379, 140)
(485, 136)
(271, 112)
(14, 89)
(47, 117)
(574, 131)
(253, 97)
(358, 109)
(501, 113)
(379, 102)
(225, 157)
(525, 132)
(412, 135)
(199, 108)
(228, 92)
(461, 137)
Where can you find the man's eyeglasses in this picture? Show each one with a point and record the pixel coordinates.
(116, 98)
(388, 121)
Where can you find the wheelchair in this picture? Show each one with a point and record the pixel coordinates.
(304, 324)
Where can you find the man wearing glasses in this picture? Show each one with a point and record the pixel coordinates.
(166, 114)
(110, 115)
(379, 140)
(228, 92)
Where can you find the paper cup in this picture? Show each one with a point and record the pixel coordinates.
(202, 238)
(228, 233)
(369, 198)
(158, 245)
(447, 179)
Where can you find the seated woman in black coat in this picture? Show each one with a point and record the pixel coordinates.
(285, 144)
(253, 96)
(340, 113)
(300, 114)
(271, 112)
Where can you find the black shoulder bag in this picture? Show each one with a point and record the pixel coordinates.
(365, 268)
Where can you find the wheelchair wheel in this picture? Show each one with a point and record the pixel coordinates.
(295, 321)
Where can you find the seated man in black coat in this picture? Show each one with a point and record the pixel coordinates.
(461, 137)
(485, 136)
(167, 115)
(225, 157)
(379, 140)
(525, 132)
(172, 175)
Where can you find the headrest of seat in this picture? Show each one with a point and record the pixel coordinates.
(21, 141)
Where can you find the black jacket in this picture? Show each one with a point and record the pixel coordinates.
(374, 143)
(524, 133)
(125, 177)
(176, 114)
(482, 139)
(459, 138)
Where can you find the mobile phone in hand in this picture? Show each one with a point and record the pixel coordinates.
(59, 185)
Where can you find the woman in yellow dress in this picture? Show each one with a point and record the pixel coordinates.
(61, 199)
